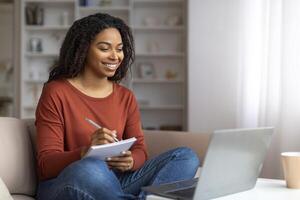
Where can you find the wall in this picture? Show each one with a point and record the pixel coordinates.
(213, 49)
(261, 38)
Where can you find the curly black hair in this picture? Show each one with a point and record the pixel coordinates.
(74, 49)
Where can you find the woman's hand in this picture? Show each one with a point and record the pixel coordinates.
(122, 163)
(99, 137)
(103, 136)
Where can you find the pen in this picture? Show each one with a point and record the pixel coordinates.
(97, 126)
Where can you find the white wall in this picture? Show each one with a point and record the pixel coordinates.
(262, 39)
(213, 49)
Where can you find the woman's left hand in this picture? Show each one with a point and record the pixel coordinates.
(122, 163)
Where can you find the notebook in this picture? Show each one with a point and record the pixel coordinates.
(109, 150)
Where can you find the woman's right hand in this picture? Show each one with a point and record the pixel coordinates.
(99, 137)
(103, 136)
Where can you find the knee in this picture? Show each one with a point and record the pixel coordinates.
(88, 179)
(87, 165)
(87, 171)
(189, 156)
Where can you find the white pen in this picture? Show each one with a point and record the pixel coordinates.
(97, 126)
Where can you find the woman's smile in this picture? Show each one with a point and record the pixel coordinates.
(111, 66)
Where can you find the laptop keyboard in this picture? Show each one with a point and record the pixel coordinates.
(186, 192)
(184, 188)
(179, 189)
(183, 184)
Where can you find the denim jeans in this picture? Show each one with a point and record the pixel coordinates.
(91, 179)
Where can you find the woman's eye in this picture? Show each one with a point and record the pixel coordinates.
(119, 50)
(104, 49)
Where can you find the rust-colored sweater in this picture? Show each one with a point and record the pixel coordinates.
(62, 130)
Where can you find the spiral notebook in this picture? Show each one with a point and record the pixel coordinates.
(109, 150)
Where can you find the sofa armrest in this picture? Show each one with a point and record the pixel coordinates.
(17, 168)
(161, 141)
(4, 193)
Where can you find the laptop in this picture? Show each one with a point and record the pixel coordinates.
(232, 164)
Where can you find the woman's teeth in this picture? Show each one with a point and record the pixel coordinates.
(111, 66)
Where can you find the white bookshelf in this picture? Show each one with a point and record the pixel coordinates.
(47, 28)
(35, 63)
(162, 107)
(158, 81)
(159, 28)
(7, 68)
(156, 2)
(162, 54)
(104, 9)
(49, 55)
(49, 1)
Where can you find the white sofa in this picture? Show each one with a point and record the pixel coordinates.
(17, 153)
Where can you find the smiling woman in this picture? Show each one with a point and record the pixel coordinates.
(105, 53)
(95, 56)
(104, 57)
(81, 42)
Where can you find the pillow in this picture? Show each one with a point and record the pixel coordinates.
(4, 193)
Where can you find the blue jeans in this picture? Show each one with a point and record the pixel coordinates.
(91, 179)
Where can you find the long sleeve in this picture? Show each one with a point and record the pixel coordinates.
(52, 158)
(134, 129)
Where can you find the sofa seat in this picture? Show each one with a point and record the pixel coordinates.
(22, 197)
(17, 152)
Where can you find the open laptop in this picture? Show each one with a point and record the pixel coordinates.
(233, 162)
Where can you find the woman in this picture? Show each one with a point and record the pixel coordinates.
(95, 56)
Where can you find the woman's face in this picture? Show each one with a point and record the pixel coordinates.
(105, 53)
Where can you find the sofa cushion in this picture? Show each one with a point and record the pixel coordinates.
(4, 193)
(17, 165)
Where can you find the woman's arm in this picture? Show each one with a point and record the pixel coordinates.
(51, 158)
(134, 129)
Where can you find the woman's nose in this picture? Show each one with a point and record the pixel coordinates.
(114, 55)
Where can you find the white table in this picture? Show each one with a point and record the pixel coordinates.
(265, 189)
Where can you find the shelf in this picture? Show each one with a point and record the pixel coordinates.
(103, 9)
(42, 55)
(161, 107)
(156, 1)
(35, 81)
(138, 80)
(6, 7)
(171, 54)
(29, 107)
(158, 28)
(46, 28)
(49, 1)
(5, 99)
